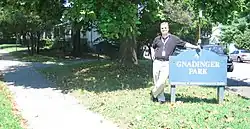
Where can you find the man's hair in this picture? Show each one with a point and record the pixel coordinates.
(164, 22)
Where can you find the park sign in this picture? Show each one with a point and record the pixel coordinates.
(198, 68)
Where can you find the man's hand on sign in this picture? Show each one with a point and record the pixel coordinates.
(189, 45)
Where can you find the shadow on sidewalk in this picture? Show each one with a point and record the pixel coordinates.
(25, 76)
(240, 87)
(24, 73)
(238, 82)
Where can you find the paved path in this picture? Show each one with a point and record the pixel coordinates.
(239, 79)
(43, 106)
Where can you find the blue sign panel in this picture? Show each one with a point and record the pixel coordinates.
(198, 68)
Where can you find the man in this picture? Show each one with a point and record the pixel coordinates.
(164, 46)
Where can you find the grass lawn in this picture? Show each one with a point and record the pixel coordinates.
(21, 54)
(8, 119)
(12, 47)
(121, 94)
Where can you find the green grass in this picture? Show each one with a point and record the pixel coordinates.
(21, 53)
(8, 120)
(12, 47)
(121, 94)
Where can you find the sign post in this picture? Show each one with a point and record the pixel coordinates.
(198, 68)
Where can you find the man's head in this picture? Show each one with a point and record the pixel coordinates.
(164, 28)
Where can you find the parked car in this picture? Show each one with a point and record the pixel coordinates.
(218, 49)
(240, 55)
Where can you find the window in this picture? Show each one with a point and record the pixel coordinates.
(234, 52)
(245, 51)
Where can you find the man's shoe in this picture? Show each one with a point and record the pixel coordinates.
(153, 98)
(162, 102)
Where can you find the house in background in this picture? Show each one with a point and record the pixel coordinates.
(215, 38)
(231, 48)
(63, 32)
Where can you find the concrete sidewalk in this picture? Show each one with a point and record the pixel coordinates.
(239, 79)
(243, 91)
(43, 106)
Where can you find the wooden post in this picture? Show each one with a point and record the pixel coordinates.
(220, 94)
(172, 93)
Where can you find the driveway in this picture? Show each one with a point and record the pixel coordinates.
(240, 76)
(239, 79)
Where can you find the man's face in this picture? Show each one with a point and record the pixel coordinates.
(164, 28)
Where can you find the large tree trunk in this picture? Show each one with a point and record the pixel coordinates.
(38, 42)
(76, 40)
(32, 43)
(128, 54)
(27, 42)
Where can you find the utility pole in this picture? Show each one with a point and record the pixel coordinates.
(199, 33)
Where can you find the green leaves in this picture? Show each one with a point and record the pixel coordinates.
(26, 15)
(238, 31)
(222, 11)
(117, 19)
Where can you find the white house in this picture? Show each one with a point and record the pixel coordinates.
(215, 36)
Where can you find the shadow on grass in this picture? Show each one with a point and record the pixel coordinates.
(51, 55)
(107, 76)
(6, 46)
(191, 99)
(96, 76)
(104, 76)
(25, 56)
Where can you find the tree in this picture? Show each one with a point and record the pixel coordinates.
(116, 20)
(30, 18)
(80, 15)
(217, 11)
(238, 31)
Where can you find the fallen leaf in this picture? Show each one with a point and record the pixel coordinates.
(228, 119)
(101, 104)
(208, 111)
(179, 102)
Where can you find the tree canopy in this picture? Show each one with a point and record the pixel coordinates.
(238, 31)
(130, 23)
